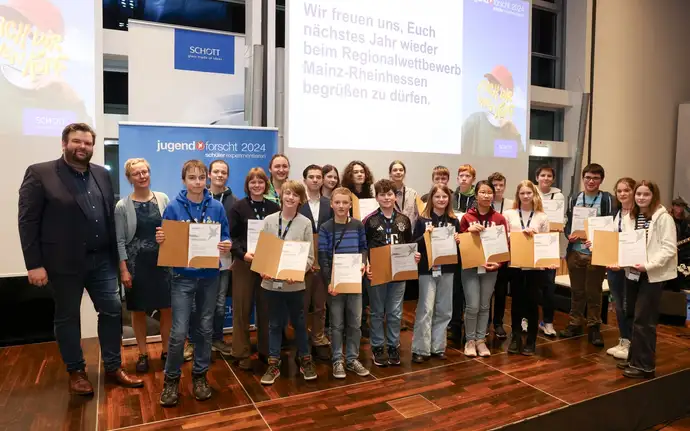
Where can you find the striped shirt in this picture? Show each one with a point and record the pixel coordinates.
(353, 241)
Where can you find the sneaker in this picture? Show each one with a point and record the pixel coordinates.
(245, 364)
(529, 348)
(524, 325)
(594, 336)
(482, 350)
(272, 373)
(470, 349)
(188, 354)
(170, 395)
(221, 347)
(339, 370)
(380, 357)
(571, 331)
(612, 351)
(143, 364)
(515, 343)
(202, 391)
(357, 368)
(393, 356)
(500, 332)
(307, 368)
(547, 329)
(417, 358)
(622, 353)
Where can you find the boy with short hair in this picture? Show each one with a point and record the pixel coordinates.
(383, 227)
(463, 197)
(440, 175)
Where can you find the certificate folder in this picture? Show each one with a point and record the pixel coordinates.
(420, 205)
(441, 260)
(174, 251)
(522, 253)
(472, 252)
(267, 259)
(346, 287)
(381, 268)
(605, 253)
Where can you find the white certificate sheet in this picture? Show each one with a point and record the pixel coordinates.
(443, 242)
(254, 227)
(402, 258)
(294, 256)
(203, 240)
(347, 268)
(580, 214)
(546, 246)
(494, 241)
(599, 223)
(555, 210)
(632, 248)
(366, 207)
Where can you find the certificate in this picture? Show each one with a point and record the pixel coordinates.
(580, 214)
(555, 211)
(253, 229)
(632, 248)
(599, 223)
(294, 256)
(366, 207)
(494, 241)
(347, 273)
(203, 240)
(402, 258)
(443, 242)
(546, 246)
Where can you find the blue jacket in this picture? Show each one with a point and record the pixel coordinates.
(215, 213)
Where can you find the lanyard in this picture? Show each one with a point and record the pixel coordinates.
(402, 207)
(389, 226)
(254, 206)
(620, 220)
(484, 220)
(584, 200)
(342, 234)
(502, 201)
(282, 234)
(522, 223)
(203, 213)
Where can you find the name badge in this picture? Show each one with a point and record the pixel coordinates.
(633, 275)
(481, 270)
(436, 271)
(277, 285)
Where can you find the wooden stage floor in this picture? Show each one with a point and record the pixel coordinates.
(460, 393)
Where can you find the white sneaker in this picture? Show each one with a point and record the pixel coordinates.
(471, 349)
(524, 325)
(549, 330)
(482, 350)
(622, 353)
(613, 350)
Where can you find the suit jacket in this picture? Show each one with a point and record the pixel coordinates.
(52, 217)
(325, 213)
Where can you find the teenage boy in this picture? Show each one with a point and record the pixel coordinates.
(545, 176)
(463, 197)
(585, 278)
(383, 227)
(343, 235)
(440, 175)
(500, 204)
(191, 286)
(318, 211)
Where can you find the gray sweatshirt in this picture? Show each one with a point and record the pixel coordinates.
(300, 230)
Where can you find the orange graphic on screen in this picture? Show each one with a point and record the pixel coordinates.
(495, 93)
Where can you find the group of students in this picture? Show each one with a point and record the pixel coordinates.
(451, 299)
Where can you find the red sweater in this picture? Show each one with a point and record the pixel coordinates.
(492, 218)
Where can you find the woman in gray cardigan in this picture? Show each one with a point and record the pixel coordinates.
(147, 285)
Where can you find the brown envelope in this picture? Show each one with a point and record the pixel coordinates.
(472, 252)
(267, 258)
(420, 205)
(355, 207)
(556, 227)
(174, 250)
(581, 234)
(381, 270)
(605, 252)
(441, 260)
(522, 253)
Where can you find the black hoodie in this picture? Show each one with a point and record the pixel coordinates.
(227, 199)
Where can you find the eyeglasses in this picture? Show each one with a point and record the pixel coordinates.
(593, 179)
(140, 174)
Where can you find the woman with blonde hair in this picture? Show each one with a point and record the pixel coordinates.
(147, 285)
(527, 217)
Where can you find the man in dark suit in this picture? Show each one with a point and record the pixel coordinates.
(318, 210)
(67, 231)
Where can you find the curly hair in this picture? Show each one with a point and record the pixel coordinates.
(348, 179)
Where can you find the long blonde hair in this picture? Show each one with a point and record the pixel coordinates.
(429, 208)
(537, 205)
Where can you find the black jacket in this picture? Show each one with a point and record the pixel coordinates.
(227, 199)
(325, 213)
(52, 217)
(240, 213)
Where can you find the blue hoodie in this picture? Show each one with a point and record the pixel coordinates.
(215, 213)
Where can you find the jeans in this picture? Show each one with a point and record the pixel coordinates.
(339, 305)
(219, 316)
(100, 281)
(186, 292)
(478, 290)
(585, 289)
(617, 288)
(525, 286)
(386, 300)
(643, 300)
(280, 306)
(456, 321)
(549, 295)
(500, 293)
(434, 311)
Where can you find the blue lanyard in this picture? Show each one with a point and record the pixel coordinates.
(192, 218)
(584, 200)
(256, 211)
(389, 226)
(282, 234)
(529, 221)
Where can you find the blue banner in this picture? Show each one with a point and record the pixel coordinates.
(200, 51)
(167, 146)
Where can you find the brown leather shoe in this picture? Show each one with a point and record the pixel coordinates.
(79, 384)
(121, 377)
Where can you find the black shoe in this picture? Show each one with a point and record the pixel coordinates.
(595, 336)
(417, 358)
(202, 391)
(393, 356)
(500, 332)
(515, 343)
(143, 364)
(571, 331)
(322, 353)
(170, 396)
(529, 348)
(623, 365)
(380, 357)
(440, 355)
(634, 373)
